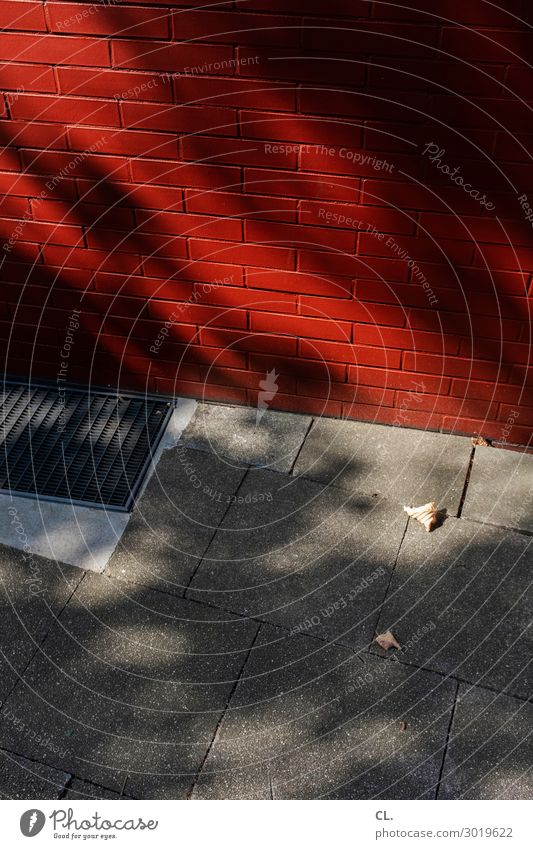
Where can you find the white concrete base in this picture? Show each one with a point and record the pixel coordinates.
(81, 536)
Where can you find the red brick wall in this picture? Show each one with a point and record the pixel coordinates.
(254, 186)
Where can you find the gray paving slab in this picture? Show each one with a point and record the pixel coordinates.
(32, 591)
(309, 720)
(246, 436)
(490, 751)
(461, 602)
(78, 789)
(310, 558)
(174, 521)
(24, 779)
(407, 466)
(130, 683)
(500, 489)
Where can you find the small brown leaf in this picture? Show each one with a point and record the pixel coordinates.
(387, 641)
(480, 440)
(402, 725)
(426, 514)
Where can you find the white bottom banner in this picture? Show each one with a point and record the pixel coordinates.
(264, 825)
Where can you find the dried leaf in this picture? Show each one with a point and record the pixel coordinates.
(403, 725)
(480, 440)
(387, 641)
(426, 514)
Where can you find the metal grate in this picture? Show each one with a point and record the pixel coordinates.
(78, 446)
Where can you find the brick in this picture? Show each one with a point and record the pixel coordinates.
(299, 235)
(393, 269)
(454, 366)
(137, 242)
(203, 272)
(379, 314)
(515, 352)
(128, 21)
(476, 44)
(346, 392)
(172, 58)
(472, 13)
(22, 184)
(52, 163)
(36, 134)
(307, 369)
(27, 77)
(196, 175)
(180, 224)
(21, 15)
(416, 248)
(245, 379)
(89, 214)
(399, 338)
(350, 354)
(278, 64)
(404, 74)
(303, 327)
(475, 228)
(266, 342)
(301, 185)
(252, 299)
(348, 8)
(54, 49)
(506, 257)
(291, 281)
(270, 126)
(244, 254)
(126, 142)
(298, 404)
(406, 195)
(447, 406)
(362, 375)
(34, 231)
(126, 85)
(245, 206)
(146, 196)
(13, 207)
(363, 105)
(237, 152)
(179, 119)
(371, 37)
(197, 314)
(228, 394)
(488, 390)
(356, 217)
(66, 110)
(97, 260)
(240, 93)
(235, 28)
(464, 323)
(141, 287)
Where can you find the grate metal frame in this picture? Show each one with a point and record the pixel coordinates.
(102, 433)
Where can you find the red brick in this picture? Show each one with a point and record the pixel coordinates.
(197, 314)
(137, 242)
(371, 37)
(235, 28)
(244, 254)
(447, 406)
(475, 228)
(301, 185)
(141, 287)
(126, 85)
(97, 260)
(21, 15)
(356, 217)
(350, 354)
(298, 404)
(299, 235)
(488, 390)
(409, 380)
(146, 196)
(348, 8)
(398, 338)
(203, 272)
(36, 134)
(506, 257)
(416, 248)
(380, 314)
(27, 77)
(200, 176)
(306, 369)
(352, 266)
(203, 391)
(51, 163)
(245, 206)
(22, 184)
(240, 341)
(291, 281)
(180, 224)
(303, 129)
(66, 110)
(405, 74)
(89, 214)
(363, 105)
(278, 64)
(33, 231)
(54, 49)
(454, 366)
(127, 21)
(248, 298)
(171, 58)
(503, 45)
(13, 207)
(236, 152)
(126, 142)
(238, 92)
(346, 392)
(179, 119)
(303, 327)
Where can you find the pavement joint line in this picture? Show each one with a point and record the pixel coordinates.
(38, 763)
(67, 786)
(223, 714)
(448, 736)
(467, 481)
(55, 617)
(304, 440)
(384, 599)
(208, 546)
(521, 531)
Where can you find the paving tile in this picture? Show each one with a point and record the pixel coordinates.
(24, 779)
(78, 789)
(500, 489)
(407, 466)
(461, 602)
(173, 522)
(129, 683)
(246, 436)
(307, 557)
(490, 752)
(32, 591)
(309, 720)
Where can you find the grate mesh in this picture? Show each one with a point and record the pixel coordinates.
(77, 446)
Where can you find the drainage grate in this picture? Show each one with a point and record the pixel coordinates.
(77, 446)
